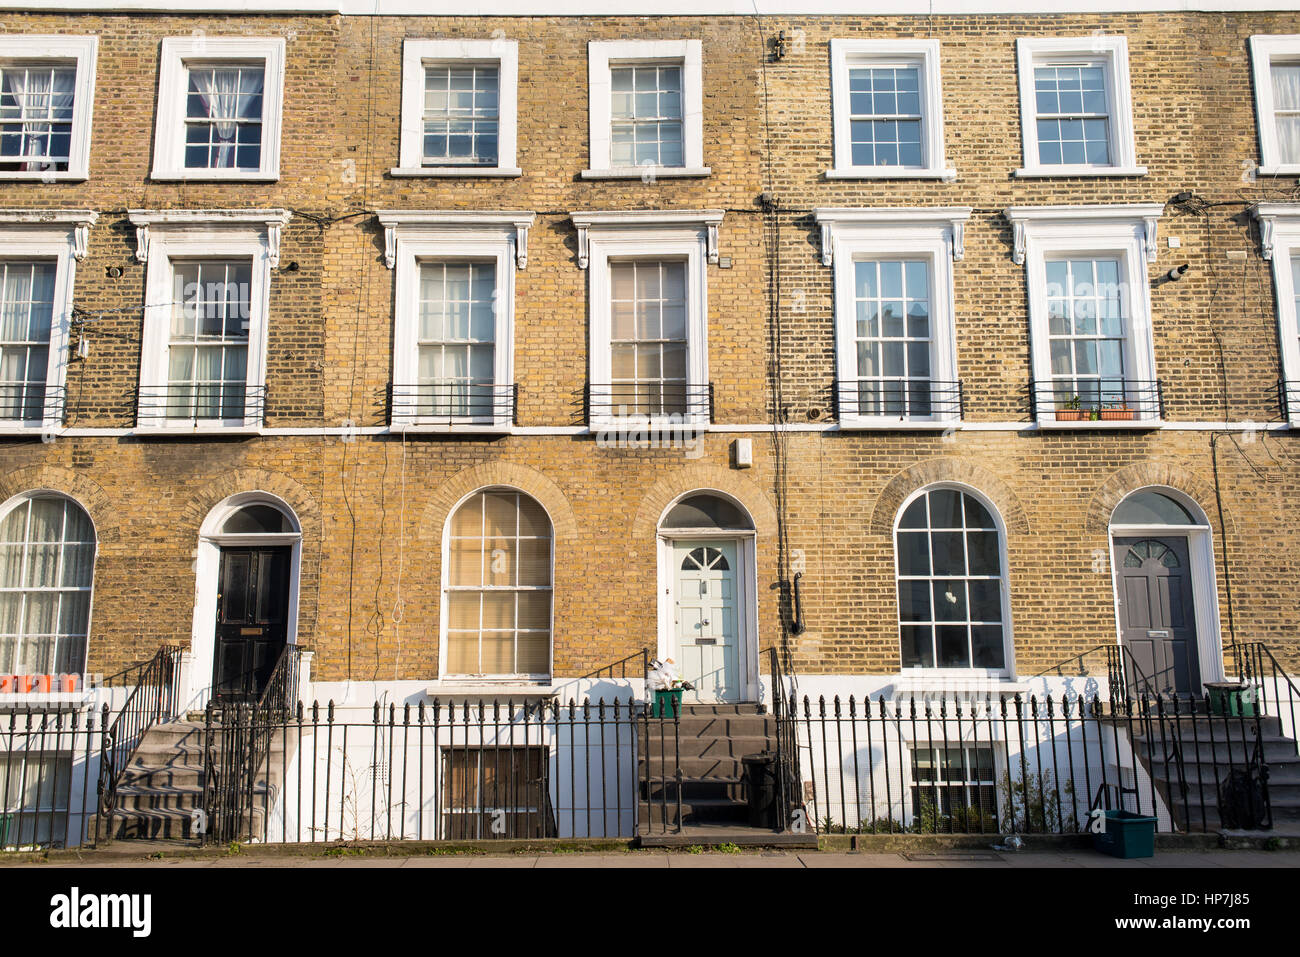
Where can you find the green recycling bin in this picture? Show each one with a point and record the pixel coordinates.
(1232, 698)
(668, 703)
(1126, 835)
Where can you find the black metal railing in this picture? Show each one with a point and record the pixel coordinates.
(1009, 765)
(237, 739)
(1269, 689)
(197, 404)
(653, 401)
(902, 399)
(662, 780)
(31, 402)
(467, 403)
(788, 775)
(635, 665)
(48, 777)
(1079, 399)
(155, 698)
(1288, 397)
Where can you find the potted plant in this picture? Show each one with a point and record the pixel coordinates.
(1070, 410)
(667, 686)
(1117, 411)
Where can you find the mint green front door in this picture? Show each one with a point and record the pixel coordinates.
(707, 619)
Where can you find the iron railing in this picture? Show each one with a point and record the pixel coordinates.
(203, 403)
(638, 661)
(1009, 765)
(48, 777)
(1288, 397)
(471, 403)
(31, 402)
(903, 399)
(788, 775)
(1268, 687)
(237, 739)
(655, 401)
(155, 698)
(1096, 399)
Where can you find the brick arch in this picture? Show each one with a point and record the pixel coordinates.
(240, 481)
(1140, 475)
(958, 471)
(103, 512)
(490, 474)
(703, 477)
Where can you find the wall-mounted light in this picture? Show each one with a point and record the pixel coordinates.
(113, 272)
(1178, 272)
(291, 266)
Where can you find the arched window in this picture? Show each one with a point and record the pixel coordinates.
(707, 511)
(47, 561)
(497, 587)
(951, 582)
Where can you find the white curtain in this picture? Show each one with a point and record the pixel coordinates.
(216, 89)
(1286, 99)
(36, 133)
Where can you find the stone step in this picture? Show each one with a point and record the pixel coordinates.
(711, 766)
(705, 747)
(731, 789)
(695, 811)
(749, 725)
(1281, 750)
(161, 775)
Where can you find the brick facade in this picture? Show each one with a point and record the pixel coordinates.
(373, 506)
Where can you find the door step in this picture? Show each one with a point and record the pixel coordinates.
(705, 836)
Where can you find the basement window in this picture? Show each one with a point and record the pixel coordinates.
(496, 792)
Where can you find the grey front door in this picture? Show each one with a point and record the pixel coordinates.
(1156, 612)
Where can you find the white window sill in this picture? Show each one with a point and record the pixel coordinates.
(891, 172)
(452, 428)
(34, 698)
(634, 423)
(962, 680)
(881, 423)
(472, 687)
(27, 429)
(50, 176)
(173, 431)
(214, 176)
(1051, 425)
(453, 171)
(1284, 169)
(1044, 172)
(647, 173)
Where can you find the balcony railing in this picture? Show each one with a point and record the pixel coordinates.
(467, 403)
(31, 403)
(1089, 400)
(201, 404)
(651, 401)
(1288, 397)
(901, 399)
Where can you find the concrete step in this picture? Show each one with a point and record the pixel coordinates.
(1206, 752)
(721, 726)
(161, 775)
(698, 709)
(705, 747)
(176, 797)
(705, 766)
(703, 835)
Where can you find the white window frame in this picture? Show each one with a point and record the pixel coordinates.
(1127, 233)
(1280, 231)
(934, 234)
(445, 587)
(601, 55)
(1113, 52)
(418, 54)
(1008, 669)
(164, 235)
(922, 54)
(690, 235)
(412, 237)
(169, 135)
(1263, 51)
(84, 52)
(62, 235)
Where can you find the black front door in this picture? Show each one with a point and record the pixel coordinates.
(252, 619)
(1156, 612)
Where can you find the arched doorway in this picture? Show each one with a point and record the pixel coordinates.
(708, 615)
(1166, 600)
(246, 595)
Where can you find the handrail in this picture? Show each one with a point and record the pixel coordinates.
(607, 671)
(1120, 666)
(787, 751)
(153, 700)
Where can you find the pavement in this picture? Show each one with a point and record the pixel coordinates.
(707, 859)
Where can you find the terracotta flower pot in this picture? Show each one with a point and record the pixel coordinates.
(1119, 414)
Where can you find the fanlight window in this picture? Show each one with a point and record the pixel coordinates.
(498, 587)
(1149, 507)
(704, 558)
(707, 511)
(950, 583)
(47, 560)
(258, 520)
